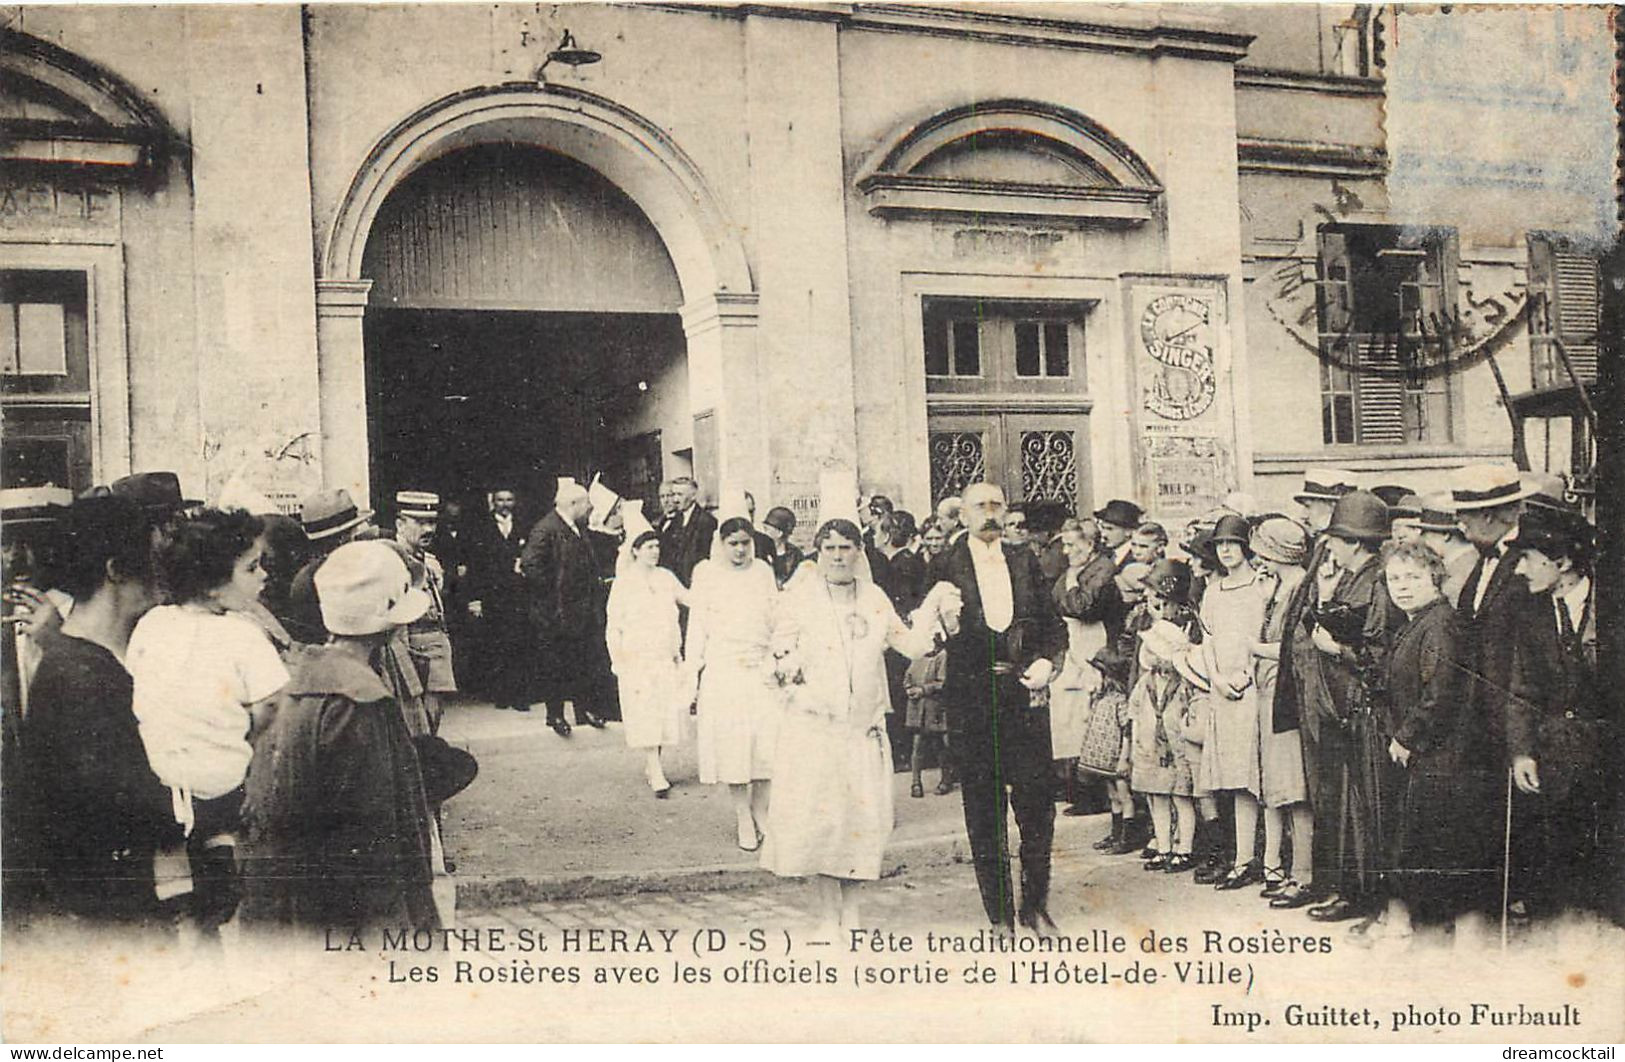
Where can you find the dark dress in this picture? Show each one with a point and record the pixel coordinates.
(1446, 842)
(1357, 787)
(337, 828)
(95, 812)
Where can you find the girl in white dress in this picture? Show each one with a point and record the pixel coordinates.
(730, 622)
(832, 803)
(645, 650)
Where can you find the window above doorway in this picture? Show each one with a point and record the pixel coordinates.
(982, 345)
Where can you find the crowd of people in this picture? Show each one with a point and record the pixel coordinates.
(1378, 708)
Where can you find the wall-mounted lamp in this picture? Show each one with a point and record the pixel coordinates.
(568, 53)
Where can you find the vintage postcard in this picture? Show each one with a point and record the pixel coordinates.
(863, 522)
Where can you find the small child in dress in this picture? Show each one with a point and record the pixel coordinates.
(928, 719)
(1157, 708)
(203, 674)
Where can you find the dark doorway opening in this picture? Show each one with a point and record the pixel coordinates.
(463, 401)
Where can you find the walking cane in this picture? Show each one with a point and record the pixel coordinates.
(1506, 864)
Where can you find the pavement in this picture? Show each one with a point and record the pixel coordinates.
(551, 818)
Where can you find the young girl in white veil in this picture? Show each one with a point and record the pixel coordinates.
(730, 621)
(645, 645)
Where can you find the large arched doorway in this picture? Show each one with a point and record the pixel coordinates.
(522, 324)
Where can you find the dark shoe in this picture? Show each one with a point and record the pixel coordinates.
(1240, 877)
(944, 788)
(916, 790)
(1207, 874)
(1338, 910)
(1039, 921)
(1179, 863)
(588, 719)
(1148, 851)
(521, 707)
(1275, 880)
(1156, 862)
(560, 727)
(1115, 834)
(1126, 846)
(662, 794)
(1293, 896)
(450, 864)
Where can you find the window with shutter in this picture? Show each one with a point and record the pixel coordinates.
(1565, 286)
(45, 381)
(1385, 298)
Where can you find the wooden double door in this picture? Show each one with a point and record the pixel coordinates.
(1032, 455)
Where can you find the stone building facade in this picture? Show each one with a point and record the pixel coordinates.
(1153, 252)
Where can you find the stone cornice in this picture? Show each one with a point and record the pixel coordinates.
(1136, 33)
(1299, 81)
(1304, 158)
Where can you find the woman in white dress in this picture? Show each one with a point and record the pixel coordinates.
(832, 804)
(730, 622)
(645, 650)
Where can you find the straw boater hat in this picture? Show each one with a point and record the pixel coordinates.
(1407, 506)
(418, 504)
(364, 588)
(34, 505)
(1436, 514)
(331, 512)
(1488, 486)
(1324, 484)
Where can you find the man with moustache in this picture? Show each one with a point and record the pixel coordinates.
(687, 530)
(1002, 654)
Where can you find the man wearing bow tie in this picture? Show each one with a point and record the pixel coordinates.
(687, 530)
(1008, 645)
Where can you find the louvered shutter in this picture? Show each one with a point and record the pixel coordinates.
(1381, 397)
(1567, 282)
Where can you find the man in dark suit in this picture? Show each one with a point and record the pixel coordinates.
(1008, 643)
(497, 602)
(567, 602)
(685, 534)
(1560, 724)
(1497, 612)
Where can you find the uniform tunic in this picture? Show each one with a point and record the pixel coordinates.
(832, 798)
(644, 643)
(1232, 616)
(729, 627)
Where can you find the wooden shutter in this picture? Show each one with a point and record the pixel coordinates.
(1380, 410)
(1567, 281)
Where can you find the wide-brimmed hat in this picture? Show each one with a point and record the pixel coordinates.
(153, 491)
(418, 504)
(1120, 513)
(1171, 579)
(1324, 484)
(1360, 515)
(447, 770)
(1488, 486)
(1231, 528)
(1281, 540)
(34, 505)
(364, 588)
(331, 512)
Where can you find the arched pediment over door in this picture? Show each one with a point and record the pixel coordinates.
(1011, 158)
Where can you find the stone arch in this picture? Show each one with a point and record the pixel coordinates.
(626, 148)
(1088, 175)
(719, 311)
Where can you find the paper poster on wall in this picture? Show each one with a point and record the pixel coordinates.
(1185, 437)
